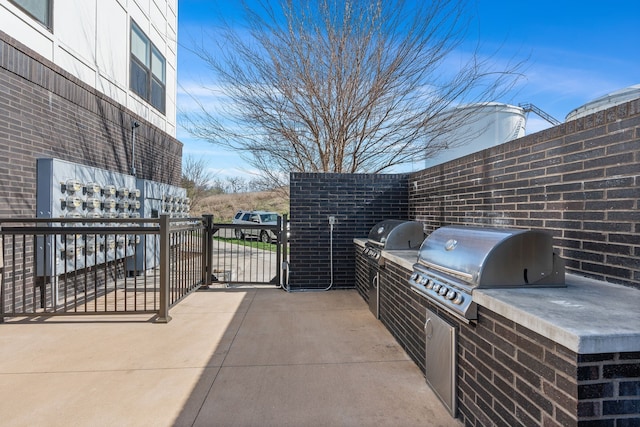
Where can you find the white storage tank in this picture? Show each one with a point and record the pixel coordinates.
(483, 126)
(607, 101)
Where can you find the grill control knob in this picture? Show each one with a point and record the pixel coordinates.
(436, 287)
(413, 277)
(429, 284)
(459, 299)
(443, 290)
(451, 294)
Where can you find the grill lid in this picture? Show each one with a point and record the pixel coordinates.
(493, 257)
(394, 234)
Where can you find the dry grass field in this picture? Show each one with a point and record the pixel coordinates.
(224, 206)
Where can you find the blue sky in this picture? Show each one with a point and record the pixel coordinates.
(578, 50)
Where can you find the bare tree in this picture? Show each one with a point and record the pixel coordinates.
(344, 85)
(196, 179)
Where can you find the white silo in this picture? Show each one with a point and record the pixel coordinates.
(607, 101)
(482, 126)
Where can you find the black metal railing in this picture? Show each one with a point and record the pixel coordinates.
(99, 266)
(67, 266)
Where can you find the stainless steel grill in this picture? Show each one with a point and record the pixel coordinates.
(455, 260)
(391, 234)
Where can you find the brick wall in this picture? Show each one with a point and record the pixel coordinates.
(362, 275)
(402, 311)
(609, 389)
(579, 181)
(509, 375)
(358, 202)
(47, 113)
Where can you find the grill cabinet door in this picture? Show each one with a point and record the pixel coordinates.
(440, 365)
(374, 291)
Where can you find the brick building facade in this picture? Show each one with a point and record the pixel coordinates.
(46, 112)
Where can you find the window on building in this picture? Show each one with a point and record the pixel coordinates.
(38, 9)
(147, 69)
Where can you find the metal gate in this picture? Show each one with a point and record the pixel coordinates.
(247, 254)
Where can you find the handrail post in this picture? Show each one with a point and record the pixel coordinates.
(1, 278)
(165, 260)
(279, 251)
(207, 251)
(285, 247)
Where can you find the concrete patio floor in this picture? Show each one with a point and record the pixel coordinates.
(241, 357)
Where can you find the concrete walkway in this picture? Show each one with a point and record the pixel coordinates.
(241, 357)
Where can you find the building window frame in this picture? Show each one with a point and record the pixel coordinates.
(147, 69)
(45, 17)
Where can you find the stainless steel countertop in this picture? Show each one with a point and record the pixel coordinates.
(587, 317)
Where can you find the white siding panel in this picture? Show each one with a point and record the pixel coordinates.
(138, 15)
(113, 44)
(171, 129)
(90, 40)
(171, 89)
(141, 5)
(172, 33)
(24, 29)
(158, 20)
(173, 6)
(157, 119)
(76, 65)
(157, 36)
(116, 92)
(138, 107)
(75, 28)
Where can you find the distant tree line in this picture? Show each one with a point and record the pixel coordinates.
(237, 184)
(200, 182)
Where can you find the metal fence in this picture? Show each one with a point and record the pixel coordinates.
(100, 266)
(72, 266)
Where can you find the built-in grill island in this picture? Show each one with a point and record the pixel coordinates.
(455, 260)
(390, 234)
(528, 345)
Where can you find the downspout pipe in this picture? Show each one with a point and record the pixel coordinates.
(134, 125)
